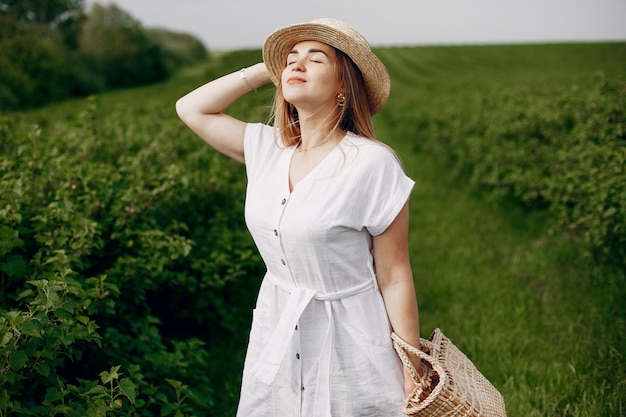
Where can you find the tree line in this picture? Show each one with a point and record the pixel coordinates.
(58, 49)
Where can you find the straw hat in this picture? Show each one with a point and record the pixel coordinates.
(339, 35)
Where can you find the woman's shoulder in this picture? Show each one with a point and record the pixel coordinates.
(260, 135)
(261, 143)
(259, 129)
(368, 151)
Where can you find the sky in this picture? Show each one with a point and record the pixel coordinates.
(243, 24)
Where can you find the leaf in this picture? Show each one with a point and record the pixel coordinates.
(99, 410)
(30, 328)
(18, 360)
(26, 293)
(67, 340)
(43, 369)
(6, 338)
(14, 266)
(4, 399)
(177, 385)
(114, 372)
(54, 394)
(105, 377)
(128, 388)
(98, 389)
(167, 409)
(9, 239)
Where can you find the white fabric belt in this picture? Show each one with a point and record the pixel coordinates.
(266, 368)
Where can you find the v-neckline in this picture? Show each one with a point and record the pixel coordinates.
(312, 171)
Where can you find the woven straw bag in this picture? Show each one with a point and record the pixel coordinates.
(451, 386)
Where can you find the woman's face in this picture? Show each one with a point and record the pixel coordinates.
(309, 79)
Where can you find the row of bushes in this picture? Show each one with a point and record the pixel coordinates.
(106, 48)
(564, 150)
(121, 243)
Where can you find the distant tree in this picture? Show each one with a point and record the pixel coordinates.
(52, 49)
(179, 49)
(64, 16)
(117, 47)
(35, 66)
(46, 11)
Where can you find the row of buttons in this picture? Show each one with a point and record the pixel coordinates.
(297, 354)
(282, 202)
(284, 262)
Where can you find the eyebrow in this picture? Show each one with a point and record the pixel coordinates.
(310, 51)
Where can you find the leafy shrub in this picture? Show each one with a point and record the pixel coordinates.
(121, 245)
(564, 150)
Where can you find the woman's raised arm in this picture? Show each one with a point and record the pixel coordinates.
(202, 109)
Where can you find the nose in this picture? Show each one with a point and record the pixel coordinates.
(298, 65)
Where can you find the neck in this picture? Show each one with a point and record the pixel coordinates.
(312, 133)
(303, 147)
(318, 138)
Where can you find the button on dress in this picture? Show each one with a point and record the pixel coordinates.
(319, 345)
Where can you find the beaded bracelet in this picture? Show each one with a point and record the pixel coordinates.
(243, 76)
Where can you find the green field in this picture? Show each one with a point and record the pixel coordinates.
(136, 228)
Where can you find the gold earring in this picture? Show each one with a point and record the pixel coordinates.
(341, 100)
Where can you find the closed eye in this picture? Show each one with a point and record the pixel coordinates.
(315, 55)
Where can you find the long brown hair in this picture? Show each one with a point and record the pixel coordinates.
(354, 116)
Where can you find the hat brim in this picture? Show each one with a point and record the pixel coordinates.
(340, 36)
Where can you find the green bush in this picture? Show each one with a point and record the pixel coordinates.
(122, 255)
(564, 150)
(543, 124)
(35, 66)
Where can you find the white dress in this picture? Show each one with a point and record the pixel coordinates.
(320, 339)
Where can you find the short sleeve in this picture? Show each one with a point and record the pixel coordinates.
(387, 189)
(259, 144)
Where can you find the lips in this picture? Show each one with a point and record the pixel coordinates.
(295, 80)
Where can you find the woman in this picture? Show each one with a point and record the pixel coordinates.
(327, 206)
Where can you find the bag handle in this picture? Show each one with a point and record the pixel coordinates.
(431, 367)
